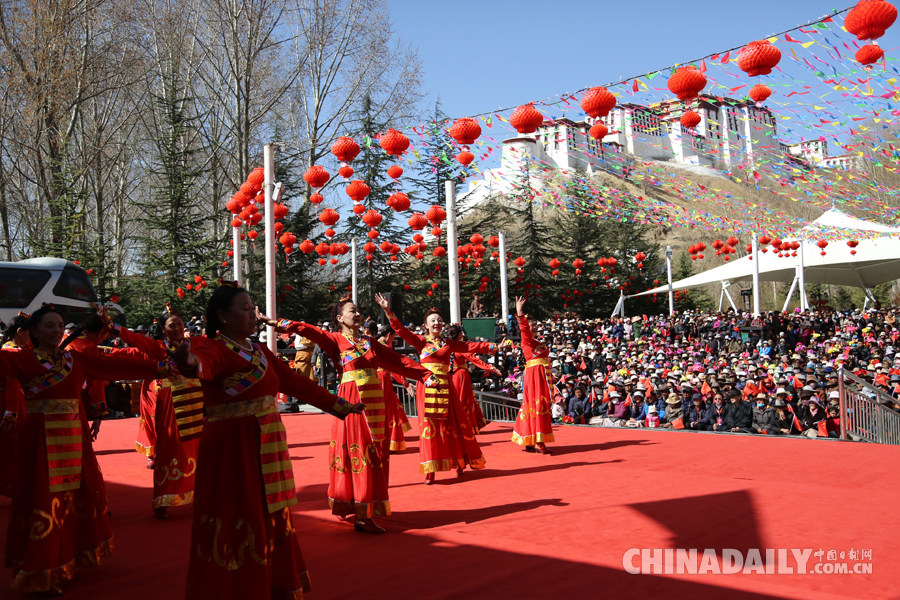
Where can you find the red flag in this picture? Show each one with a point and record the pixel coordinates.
(634, 86)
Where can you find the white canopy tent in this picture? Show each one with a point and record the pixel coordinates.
(876, 261)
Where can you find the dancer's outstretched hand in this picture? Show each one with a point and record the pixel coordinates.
(383, 303)
(520, 306)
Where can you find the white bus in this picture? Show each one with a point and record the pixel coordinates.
(27, 284)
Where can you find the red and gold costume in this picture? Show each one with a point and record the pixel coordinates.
(446, 438)
(461, 381)
(359, 457)
(534, 424)
(59, 518)
(178, 423)
(14, 409)
(396, 419)
(146, 438)
(243, 543)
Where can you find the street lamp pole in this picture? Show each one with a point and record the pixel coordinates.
(669, 271)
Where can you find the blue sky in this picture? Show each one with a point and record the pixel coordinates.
(481, 56)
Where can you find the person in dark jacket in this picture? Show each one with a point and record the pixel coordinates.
(693, 414)
(763, 416)
(580, 406)
(740, 417)
(780, 419)
(715, 417)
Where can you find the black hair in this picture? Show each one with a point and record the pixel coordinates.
(157, 329)
(16, 323)
(433, 311)
(36, 318)
(338, 309)
(220, 300)
(453, 331)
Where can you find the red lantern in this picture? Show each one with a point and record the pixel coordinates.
(236, 222)
(765, 240)
(870, 19)
(599, 131)
(869, 55)
(329, 217)
(256, 177)
(732, 241)
(759, 58)
(690, 119)
(358, 190)
(307, 246)
(316, 176)
(577, 263)
(345, 149)
(554, 263)
(417, 222)
(372, 218)
(322, 249)
(822, 244)
(436, 231)
(394, 143)
(436, 214)
(465, 131)
(476, 239)
(359, 209)
(640, 256)
(253, 235)
(395, 172)
(399, 202)
(526, 119)
(687, 82)
(519, 262)
(346, 172)
(439, 252)
(493, 241)
(760, 92)
(853, 243)
(316, 198)
(597, 102)
(465, 158)
(373, 234)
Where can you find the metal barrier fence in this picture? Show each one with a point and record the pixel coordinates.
(495, 407)
(863, 416)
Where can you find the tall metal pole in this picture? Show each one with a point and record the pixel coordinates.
(804, 301)
(755, 244)
(269, 187)
(669, 272)
(236, 247)
(353, 268)
(452, 254)
(504, 281)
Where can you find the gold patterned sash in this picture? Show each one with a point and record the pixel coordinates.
(545, 363)
(368, 386)
(278, 476)
(187, 400)
(64, 439)
(437, 403)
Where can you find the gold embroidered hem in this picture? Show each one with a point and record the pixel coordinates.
(398, 446)
(236, 410)
(531, 440)
(450, 464)
(43, 581)
(406, 427)
(173, 500)
(85, 559)
(148, 451)
(378, 508)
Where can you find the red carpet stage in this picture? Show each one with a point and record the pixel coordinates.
(533, 526)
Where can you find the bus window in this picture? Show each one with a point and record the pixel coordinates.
(18, 287)
(74, 286)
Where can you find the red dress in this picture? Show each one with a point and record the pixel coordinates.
(446, 438)
(461, 381)
(178, 423)
(534, 424)
(14, 409)
(59, 518)
(398, 422)
(243, 543)
(359, 456)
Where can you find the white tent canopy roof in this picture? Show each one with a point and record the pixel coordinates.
(876, 260)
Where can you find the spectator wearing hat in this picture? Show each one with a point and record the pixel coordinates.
(617, 413)
(781, 420)
(652, 419)
(638, 411)
(813, 414)
(762, 414)
(674, 417)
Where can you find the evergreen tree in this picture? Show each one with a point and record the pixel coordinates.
(698, 299)
(175, 247)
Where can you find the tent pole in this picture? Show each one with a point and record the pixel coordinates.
(728, 295)
(801, 271)
(787, 300)
(722, 297)
(866, 291)
(755, 248)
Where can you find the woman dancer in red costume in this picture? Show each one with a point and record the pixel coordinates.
(59, 519)
(15, 337)
(446, 439)
(534, 427)
(461, 379)
(177, 418)
(359, 457)
(243, 543)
